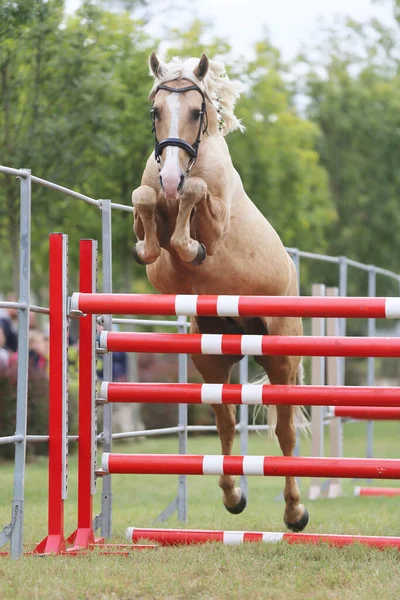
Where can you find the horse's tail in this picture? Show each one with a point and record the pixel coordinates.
(301, 420)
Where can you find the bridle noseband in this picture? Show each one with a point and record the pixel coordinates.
(191, 150)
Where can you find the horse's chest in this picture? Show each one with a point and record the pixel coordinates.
(215, 276)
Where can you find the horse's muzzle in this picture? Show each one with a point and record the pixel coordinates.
(172, 186)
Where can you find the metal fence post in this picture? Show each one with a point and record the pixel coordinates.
(17, 517)
(296, 259)
(106, 504)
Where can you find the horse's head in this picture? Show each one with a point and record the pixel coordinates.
(186, 106)
(179, 120)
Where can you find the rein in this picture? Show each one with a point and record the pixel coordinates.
(192, 150)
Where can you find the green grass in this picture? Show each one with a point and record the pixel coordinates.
(212, 571)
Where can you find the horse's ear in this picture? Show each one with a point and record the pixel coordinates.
(201, 70)
(156, 67)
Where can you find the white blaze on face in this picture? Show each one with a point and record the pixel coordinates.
(171, 171)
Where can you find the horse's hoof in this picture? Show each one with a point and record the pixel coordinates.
(301, 523)
(240, 506)
(136, 256)
(201, 255)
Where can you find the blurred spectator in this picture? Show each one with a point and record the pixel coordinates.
(38, 348)
(4, 353)
(33, 320)
(120, 364)
(9, 324)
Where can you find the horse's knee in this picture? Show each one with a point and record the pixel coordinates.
(287, 439)
(195, 187)
(144, 199)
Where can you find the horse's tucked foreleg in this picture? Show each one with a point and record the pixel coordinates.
(210, 222)
(147, 249)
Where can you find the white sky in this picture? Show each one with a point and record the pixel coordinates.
(290, 23)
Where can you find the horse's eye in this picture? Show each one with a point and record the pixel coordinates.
(155, 113)
(196, 114)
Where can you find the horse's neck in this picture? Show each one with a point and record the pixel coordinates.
(214, 152)
(214, 165)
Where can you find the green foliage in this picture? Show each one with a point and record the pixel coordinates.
(353, 87)
(196, 41)
(72, 108)
(277, 157)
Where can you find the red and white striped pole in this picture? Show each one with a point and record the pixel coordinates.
(178, 537)
(376, 413)
(236, 306)
(232, 393)
(376, 491)
(254, 345)
(275, 466)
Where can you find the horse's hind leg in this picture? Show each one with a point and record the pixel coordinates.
(147, 249)
(286, 370)
(217, 369)
(234, 498)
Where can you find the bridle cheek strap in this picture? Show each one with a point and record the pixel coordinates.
(177, 142)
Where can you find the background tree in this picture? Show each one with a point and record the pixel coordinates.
(74, 108)
(277, 156)
(353, 87)
(71, 108)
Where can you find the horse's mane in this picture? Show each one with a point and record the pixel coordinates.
(219, 89)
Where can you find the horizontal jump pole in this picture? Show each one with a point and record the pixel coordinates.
(190, 464)
(376, 491)
(255, 345)
(180, 537)
(236, 306)
(232, 393)
(376, 413)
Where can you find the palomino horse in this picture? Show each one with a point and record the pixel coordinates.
(199, 233)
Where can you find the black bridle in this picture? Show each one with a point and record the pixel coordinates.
(192, 150)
